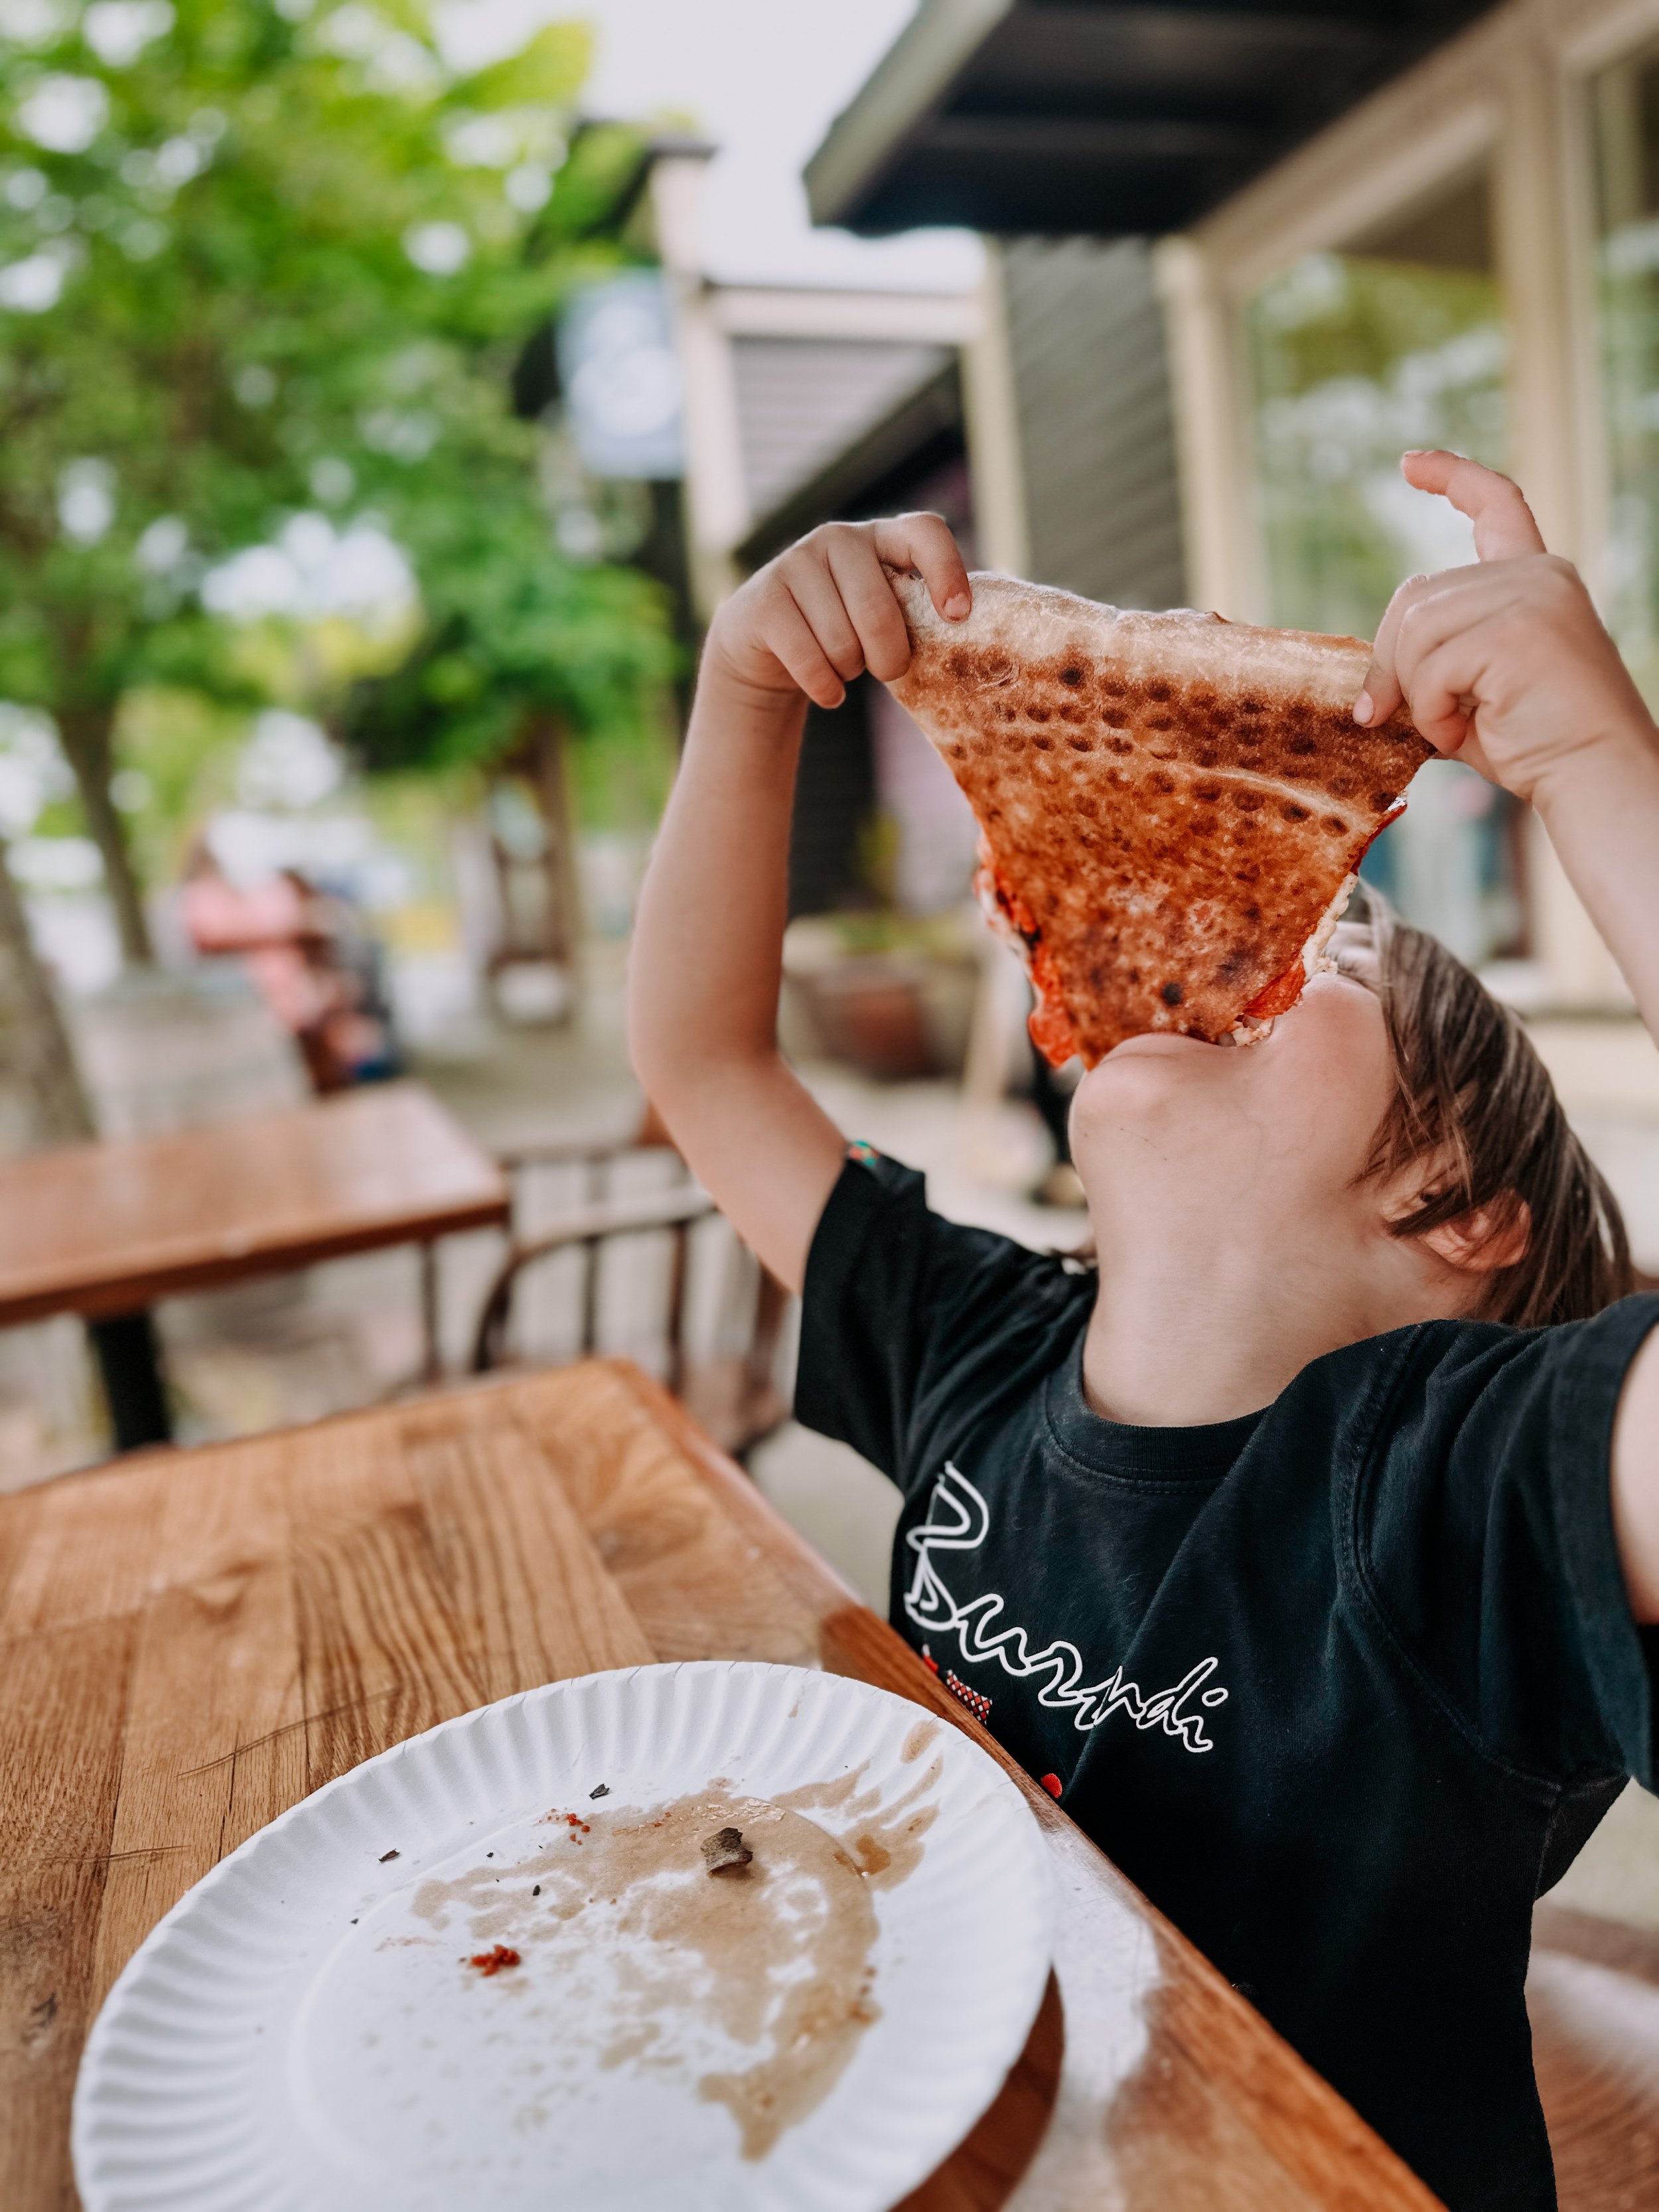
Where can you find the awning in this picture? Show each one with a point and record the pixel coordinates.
(1030, 116)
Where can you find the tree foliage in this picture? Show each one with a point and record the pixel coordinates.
(258, 260)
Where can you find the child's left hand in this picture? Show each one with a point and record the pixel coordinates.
(1506, 664)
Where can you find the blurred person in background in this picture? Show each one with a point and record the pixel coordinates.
(309, 956)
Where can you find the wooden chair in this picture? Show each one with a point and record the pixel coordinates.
(732, 1394)
(1593, 1996)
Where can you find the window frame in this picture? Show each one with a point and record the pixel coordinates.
(1513, 91)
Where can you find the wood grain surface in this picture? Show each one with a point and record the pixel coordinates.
(102, 1229)
(189, 1642)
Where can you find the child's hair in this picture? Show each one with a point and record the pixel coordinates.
(1472, 1093)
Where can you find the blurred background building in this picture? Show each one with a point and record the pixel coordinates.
(1241, 262)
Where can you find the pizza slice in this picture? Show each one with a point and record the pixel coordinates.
(1172, 807)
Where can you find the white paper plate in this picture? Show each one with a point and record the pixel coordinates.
(303, 2033)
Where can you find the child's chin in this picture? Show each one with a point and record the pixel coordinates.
(1160, 1044)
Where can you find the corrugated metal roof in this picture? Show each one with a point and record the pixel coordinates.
(802, 402)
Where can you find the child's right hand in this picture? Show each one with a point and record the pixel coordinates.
(824, 612)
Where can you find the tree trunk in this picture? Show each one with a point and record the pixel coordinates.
(548, 774)
(35, 1054)
(87, 735)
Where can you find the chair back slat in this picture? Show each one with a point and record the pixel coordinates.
(677, 1303)
(747, 1404)
(590, 1247)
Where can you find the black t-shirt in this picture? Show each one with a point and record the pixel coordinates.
(1342, 1685)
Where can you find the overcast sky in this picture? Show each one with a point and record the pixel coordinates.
(763, 79)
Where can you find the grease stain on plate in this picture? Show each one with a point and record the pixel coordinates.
(752, 1990)
(776, 1956)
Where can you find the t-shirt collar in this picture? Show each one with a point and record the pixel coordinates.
(1204, 1454)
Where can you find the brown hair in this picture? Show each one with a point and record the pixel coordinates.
(1473, 1094)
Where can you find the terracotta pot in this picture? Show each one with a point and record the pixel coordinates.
(870, 1014)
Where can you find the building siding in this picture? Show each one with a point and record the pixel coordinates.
(802, 402)
(1096, 428)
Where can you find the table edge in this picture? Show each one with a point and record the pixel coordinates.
(115, 1294)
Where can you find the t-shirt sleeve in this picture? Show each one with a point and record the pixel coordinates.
(907, 1318)
(1486, 1534)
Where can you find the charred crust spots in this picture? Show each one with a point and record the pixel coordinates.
(1216, 794)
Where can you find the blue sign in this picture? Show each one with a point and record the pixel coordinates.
(621, 377)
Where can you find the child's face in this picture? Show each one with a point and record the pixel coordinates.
(1258, 1139)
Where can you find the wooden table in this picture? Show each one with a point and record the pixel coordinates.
(190, 1642)
(105, 1230)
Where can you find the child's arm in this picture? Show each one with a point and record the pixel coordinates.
(707, 945)
(1507, 665)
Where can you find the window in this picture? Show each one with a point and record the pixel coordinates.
(1397, 341)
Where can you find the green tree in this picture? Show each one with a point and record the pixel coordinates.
(258, 261)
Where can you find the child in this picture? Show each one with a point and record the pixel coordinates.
(1310, 1549)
